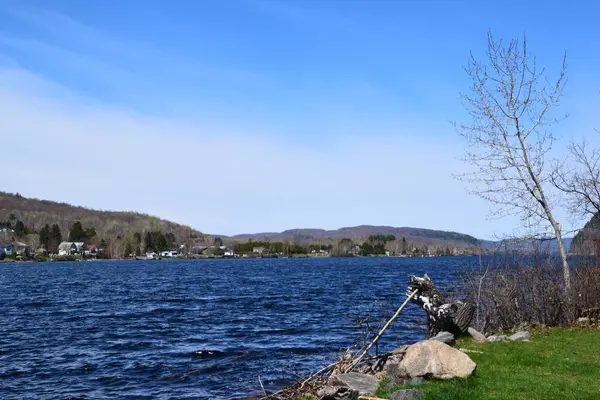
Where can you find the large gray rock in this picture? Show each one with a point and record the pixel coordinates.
(497, 338)
(444, 337)
(476, 335)
(437, 359)
(407, 394)
(337, 393)
(520, 336)
(362, 383)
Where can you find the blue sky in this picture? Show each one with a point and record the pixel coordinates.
(253, 115)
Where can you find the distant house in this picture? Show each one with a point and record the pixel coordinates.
(258, 250)
(67, 249)
(229, 253)
(20, 248)
(7, 249)
(90, 249)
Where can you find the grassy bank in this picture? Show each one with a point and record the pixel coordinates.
(561, 363)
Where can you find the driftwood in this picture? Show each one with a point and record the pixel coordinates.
(387, 325)
(454, 317)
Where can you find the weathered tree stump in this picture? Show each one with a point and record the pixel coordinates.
(454, 317)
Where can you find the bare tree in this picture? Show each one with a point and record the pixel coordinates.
(580, 179)
(509, 105)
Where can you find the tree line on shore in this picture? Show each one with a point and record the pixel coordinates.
(47, 240)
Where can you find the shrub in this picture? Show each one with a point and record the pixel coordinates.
(513, 295)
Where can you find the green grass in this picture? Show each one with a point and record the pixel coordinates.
(556, 364)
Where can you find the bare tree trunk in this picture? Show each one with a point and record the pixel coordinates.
(563, 253)
(509, 138)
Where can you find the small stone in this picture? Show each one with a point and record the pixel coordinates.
(444, 337)
(407, 394)
(362, 383)
(476, 335)
(337, 393)
(497, 338)
(520, 336)
(583, 320)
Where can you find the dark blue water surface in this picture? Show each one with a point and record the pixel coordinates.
(192, 329)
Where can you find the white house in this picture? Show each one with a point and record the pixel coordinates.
(70, 248)
(66, 248)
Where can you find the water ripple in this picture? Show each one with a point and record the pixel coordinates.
(197, 329)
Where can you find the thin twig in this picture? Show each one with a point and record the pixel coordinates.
(319, 372)
(261, 385)
(479, 293)
(364, 353)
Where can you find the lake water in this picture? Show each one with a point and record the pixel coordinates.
(193, 329)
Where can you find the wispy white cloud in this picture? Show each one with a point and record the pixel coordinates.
(219, 180)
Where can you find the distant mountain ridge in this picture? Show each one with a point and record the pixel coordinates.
(362, 232)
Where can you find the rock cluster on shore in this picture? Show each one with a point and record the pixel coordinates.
(521, 336)
(407, 365)
(410, 365)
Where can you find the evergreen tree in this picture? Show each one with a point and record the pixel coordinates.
(55, 239)
(76, 233)
(148, 245)
(171, 240)
(160, 242)
(20, 229)
(44, 236)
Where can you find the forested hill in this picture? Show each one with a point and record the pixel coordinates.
(583, 242)
(363, 232)
(30, 215)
